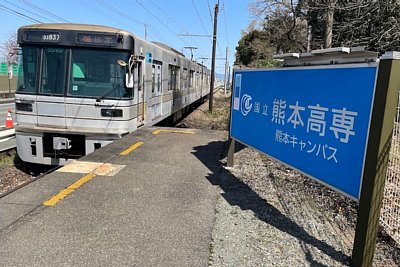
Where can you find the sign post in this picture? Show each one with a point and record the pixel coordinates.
(380, 135)
(10, 76)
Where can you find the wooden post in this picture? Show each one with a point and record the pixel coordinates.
(373, 183)
(231, 153)
(210, 104)
(231, 142)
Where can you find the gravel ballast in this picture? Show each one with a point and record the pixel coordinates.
(270, 215)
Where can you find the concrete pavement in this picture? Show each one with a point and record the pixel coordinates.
(156, 210)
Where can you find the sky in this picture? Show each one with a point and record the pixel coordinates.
(167, 21)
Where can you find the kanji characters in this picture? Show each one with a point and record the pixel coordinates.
(257, 107)
(316, 122)
(343, 123)
(295, 118)
(278, 111)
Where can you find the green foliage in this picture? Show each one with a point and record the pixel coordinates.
(374, 24)
(7, 159)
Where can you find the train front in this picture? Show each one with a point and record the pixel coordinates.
(72, 96)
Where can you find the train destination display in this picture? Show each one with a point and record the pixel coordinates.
(313, 119)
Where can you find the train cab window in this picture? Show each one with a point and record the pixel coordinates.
(53, 71)
(27, 68)
(96, 73)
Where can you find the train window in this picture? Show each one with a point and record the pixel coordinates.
(159, 79)
(191, 80)
(27, 66)
(153, 78)
(185, 78)
(174, 78)
(53, 71)
(96, 73)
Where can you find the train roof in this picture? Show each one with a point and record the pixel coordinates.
(75, 27)
(96, 28)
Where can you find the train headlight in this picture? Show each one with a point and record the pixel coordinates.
(111, 112)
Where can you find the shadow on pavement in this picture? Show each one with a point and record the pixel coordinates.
(237, 193)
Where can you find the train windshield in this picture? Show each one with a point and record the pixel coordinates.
(96, 73)
(92, 72)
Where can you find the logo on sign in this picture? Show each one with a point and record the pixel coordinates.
(246, 104)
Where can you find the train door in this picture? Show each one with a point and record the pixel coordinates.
(138, 76)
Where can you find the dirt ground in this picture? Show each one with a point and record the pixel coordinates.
(270, 215)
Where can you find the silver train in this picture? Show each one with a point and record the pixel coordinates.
(82, 86)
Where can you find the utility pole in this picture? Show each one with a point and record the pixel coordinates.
(226, 69)
(213, 58)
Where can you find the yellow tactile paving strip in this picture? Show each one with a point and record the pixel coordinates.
(91, 168)
(172, 131)
(130, 149)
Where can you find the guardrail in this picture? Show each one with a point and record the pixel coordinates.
(7, 139)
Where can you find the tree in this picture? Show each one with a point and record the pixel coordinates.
(374, 24)
(9, 49)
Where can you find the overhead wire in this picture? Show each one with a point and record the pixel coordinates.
(83, 2)
(226, 28)
(27, 3)
(171, 18)
(119, 12)
(162, 23)
(198, 15)
(201, 21)
(26, 10)
(19, 14)
(209, 10)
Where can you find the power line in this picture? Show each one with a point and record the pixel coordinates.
(26, 10)
(201, 21)
(165, 25)
(83, 2)
(27, 3)
(198, 15)
(117, 11)
(226, 28)
(19, 14)
(165, 14)
(172, 19)
(209, 10)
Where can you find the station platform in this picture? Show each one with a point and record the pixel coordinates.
(144, 200)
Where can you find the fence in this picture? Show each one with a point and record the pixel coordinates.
(390, 213)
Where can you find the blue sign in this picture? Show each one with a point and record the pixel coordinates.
(149, 57)
(315, 120)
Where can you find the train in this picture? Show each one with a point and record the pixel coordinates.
(81, 86)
